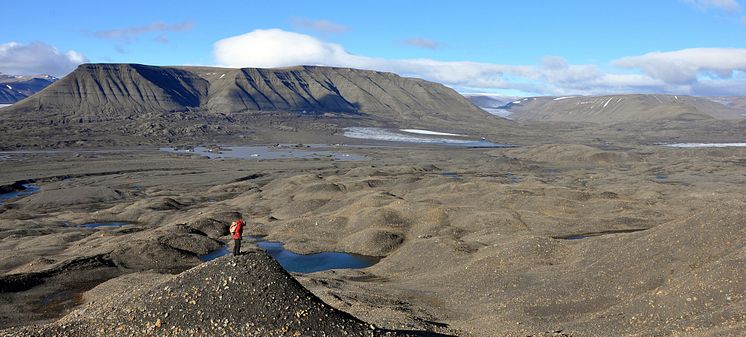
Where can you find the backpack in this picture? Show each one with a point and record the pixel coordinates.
(232, 228)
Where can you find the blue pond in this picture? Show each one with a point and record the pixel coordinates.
(214, 254)
(102, 224)
(300, 263)
(27, 190)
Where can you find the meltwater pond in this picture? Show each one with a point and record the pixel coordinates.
(267, 152)
(102, 224)
(28, 189)
(302, 263)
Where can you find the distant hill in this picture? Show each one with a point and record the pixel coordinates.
(734, 102)
(171, 103)
(14, 88)
(620, 108)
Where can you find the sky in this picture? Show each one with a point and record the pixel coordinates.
(514, 48)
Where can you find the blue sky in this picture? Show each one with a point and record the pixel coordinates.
(512, 47)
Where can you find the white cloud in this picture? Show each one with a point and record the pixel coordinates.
(688, 71)
(730, 6)
(37, 58)
(323, 26)
(687, 66)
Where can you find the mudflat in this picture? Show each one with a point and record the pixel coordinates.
(541, 240)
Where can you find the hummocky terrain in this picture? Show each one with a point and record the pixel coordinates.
(14, 88)
(481, 242)
(584, 229)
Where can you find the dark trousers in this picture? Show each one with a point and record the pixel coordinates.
(236, 247)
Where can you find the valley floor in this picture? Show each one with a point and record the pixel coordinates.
(541, 240)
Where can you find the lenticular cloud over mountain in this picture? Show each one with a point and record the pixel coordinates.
(268, 48)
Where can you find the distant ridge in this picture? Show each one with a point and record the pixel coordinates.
(14, 88)
(169, 104)
(619, 108)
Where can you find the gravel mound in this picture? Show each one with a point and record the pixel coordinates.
(249, 295)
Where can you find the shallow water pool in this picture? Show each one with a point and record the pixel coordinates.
(302, 263)
(103, 224)
(28, 189)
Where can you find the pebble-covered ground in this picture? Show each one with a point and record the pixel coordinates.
(249, 295)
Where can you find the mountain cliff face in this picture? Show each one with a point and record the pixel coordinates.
(132, 90)
(323, 89)
(619, 108)
(118, 90)
(168, 104)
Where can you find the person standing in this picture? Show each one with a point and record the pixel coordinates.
(237, 230)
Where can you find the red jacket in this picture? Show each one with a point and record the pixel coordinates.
(239, 229)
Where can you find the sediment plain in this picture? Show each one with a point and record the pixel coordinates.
(548, 239)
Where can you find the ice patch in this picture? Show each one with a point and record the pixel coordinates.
(607, 102)
(391, 136)
(700, 145)
(223, 75)
(561, 98)
(431, 133)
(9, 87)
(499, 112)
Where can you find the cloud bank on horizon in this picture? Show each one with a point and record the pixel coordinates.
(37, 58)
(694, 71)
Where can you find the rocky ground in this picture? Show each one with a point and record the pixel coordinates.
(541, 240)
(248, 295)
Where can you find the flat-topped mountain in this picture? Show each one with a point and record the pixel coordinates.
(620, 108)
(14, 88)
(130, 90)
(166, 104)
